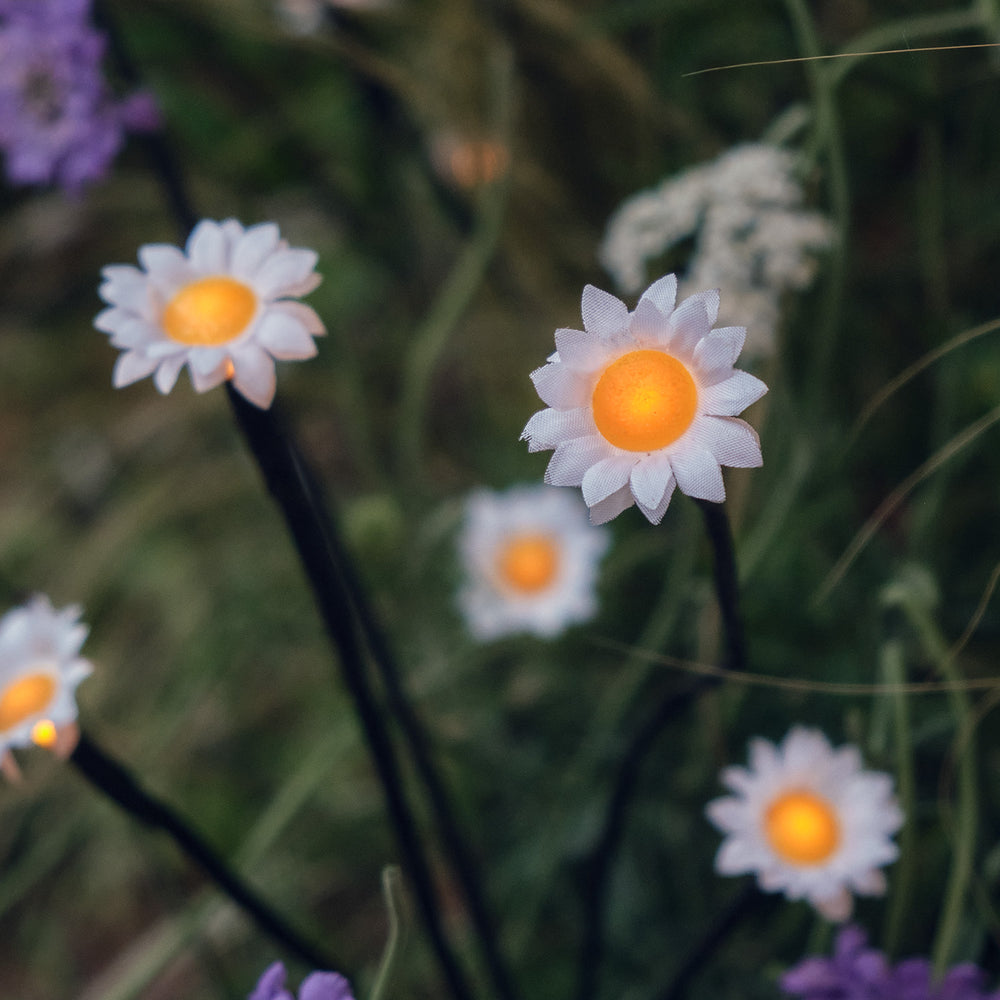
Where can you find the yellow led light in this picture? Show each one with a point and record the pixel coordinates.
(25, 697)
(528, 563)
(209, 312)
(802, 828)
(43, 733)
(644, 401)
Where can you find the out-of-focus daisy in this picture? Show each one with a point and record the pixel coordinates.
(226, 307)
(316, 986)
(809, 821)
(530, 560)
(40, 668)
(641, 402)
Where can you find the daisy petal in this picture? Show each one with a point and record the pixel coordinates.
(698, 475)
(285, 338)
(281, 272)
(689, 323)
(572, 459)
(733, 442)
(130, 367)
(650, 478)
(560, 387)
(254, 376)
(662, 294)
(734, 395)
(579, 349)
(655, 514)
(252, 248)
(548, 428)
(719, 350)
(207, 248)
(604, 315)
(167, 372)
(604, 478)
(611, 507)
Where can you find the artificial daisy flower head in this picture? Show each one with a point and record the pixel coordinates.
(316, 986)
(226, 306)
(40, 668)
(809, 821)
(640, 402)
(530, 561)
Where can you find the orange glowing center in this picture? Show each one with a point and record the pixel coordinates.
(645, 400)
(209, 312)
(802, 828)
(24, 698)
(44, 733)
(528, 563)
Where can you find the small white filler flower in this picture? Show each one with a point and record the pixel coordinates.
(226, 306)
(530, 560)
(40, 668)
(641, 402)
(809, 821)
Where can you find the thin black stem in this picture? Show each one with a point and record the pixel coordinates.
(110, 777)
(600, 864)
(288, 480)
(748, 901)
(727, 588)
(596, 881)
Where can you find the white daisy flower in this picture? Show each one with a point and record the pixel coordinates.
(643, 401)
(808, 821)
(40, 668)
(225, 306)
(530, 560)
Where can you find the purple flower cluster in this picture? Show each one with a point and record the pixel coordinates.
(857, 972)
(316, 986)
(59, 122)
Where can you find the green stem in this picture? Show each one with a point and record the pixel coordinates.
(966, 807)
(392, 894)
(894, 672)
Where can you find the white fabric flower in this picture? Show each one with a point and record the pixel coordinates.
(40, 668)
(530, 560)
(225, 306)
(641, 402)
(809, 821)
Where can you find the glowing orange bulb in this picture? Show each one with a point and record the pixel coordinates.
(43, 733)
(802, 828)
(25, 697)
(209, 312)
(644, 401)
(528, 563)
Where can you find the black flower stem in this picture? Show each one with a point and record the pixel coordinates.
(599, 865)
(290, 483)
(110, 777)
(727, 588)
(747, 902)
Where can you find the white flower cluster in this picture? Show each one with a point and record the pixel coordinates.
(753, 239)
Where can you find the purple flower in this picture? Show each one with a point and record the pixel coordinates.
(59, 122)
(857, 972)
(316, 986)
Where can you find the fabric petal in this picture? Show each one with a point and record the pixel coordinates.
(689, 322)
(165, 264)
(206, 248)
(282, 271)
(698, 474)
(167, 372)
(611, 507)
(662, 294)
(605, 477)
(252, 248)
(254, 375)
(560, 387)
(732, 441)
(719, 350)
(604, 315)
(548, 428)
(649, 479)
(655, 514)
(734, 395)
(572, 459)
(132, 366)
(299, 311)
(284, 337)
(580, 350)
